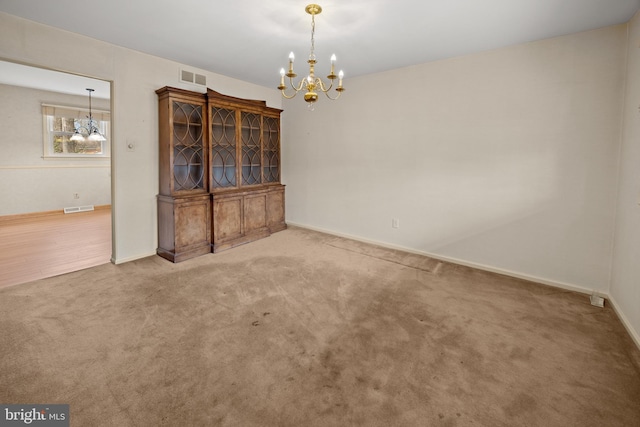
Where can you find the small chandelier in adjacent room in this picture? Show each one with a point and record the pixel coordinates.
(311, 83)
(89, 132)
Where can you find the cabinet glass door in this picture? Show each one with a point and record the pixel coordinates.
(271, 150)
(188, 147)
(251, 161)
(223, 147)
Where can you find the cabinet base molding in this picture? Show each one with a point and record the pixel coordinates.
(219, 247)
(184, 255)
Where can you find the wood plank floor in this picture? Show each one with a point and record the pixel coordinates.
(35, 247)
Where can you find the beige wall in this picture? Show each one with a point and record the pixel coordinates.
(505, 159)
(625, 283)
(135, 78)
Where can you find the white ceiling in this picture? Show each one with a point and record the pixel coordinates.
(39, 78)
(251, 39)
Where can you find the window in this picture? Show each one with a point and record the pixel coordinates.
(60, 124)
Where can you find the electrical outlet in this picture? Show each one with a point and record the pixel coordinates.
(395, 223)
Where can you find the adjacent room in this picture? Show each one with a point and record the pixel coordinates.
(453, 241)
(56, 210)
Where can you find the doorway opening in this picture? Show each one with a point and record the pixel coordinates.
(43, 174)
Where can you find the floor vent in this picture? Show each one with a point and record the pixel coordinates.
(191, 77)
(78, 209)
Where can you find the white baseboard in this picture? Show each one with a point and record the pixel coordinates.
(133, 258)
(625, 321)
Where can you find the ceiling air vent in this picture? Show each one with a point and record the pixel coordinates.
(193, 78)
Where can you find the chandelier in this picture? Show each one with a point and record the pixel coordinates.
(89, 132)
(311, 83)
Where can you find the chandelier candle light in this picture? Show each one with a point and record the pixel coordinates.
(91, 130)
(311, 83)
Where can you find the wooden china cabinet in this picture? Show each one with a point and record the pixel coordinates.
(219, 172)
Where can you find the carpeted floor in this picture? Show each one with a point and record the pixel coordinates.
(306, 329)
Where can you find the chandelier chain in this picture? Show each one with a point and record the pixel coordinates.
(313, 30)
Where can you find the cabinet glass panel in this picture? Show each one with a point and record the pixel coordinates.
(223, 147)
(188, 147)
(251, 161)
(271, 151)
